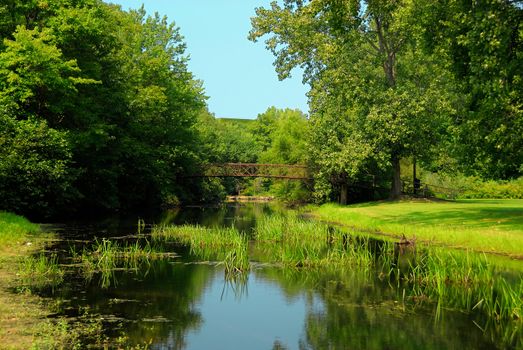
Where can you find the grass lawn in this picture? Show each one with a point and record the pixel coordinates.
(494, 226)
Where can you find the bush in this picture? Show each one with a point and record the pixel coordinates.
(35, 172)
(495, 189)
(469, 187)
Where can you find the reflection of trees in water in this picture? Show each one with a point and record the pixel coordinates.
(156, 305)
(242, 216)
(383, 327)
(278, 345)
(346, 309)
(353, 310)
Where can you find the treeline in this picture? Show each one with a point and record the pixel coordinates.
(436, 82)
(98, 111)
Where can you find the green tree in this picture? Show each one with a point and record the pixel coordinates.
(225, 141)
(114, 87)
(162, 96)
(263, 127)
(374, 96)
(35, 167)
(283, 136)
(34, 76)
(484, 41)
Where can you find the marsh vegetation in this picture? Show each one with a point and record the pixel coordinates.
(450, 279)
(134, 289)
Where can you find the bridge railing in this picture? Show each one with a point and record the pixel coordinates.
(279, 171)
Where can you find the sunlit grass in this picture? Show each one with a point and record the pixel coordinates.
(15, 230)
(482, 225)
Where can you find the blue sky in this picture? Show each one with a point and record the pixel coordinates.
(238, 75)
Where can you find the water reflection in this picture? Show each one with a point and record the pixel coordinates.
(243, 217)
(191, 306)
(358, 312)
(178, 303)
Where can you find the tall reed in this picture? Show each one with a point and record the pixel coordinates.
(449, 279)
(40, 271)
(294, 241)
(468, 282)
(225, 244)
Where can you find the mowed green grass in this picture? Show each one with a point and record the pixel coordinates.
(494, 226)
(14, 229)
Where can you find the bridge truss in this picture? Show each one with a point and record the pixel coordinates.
(276, 171)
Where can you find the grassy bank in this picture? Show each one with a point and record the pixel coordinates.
(14, 231)
(20, 314)
(23, 315)
(494, 226)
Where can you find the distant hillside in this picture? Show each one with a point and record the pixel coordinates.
(237, 121)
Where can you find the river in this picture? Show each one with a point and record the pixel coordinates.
(183, 303)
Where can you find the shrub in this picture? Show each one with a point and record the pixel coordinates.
(495, 189)
(35, 171)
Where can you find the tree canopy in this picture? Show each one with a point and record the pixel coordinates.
(110, 101)
(385, 82)
(99, 110)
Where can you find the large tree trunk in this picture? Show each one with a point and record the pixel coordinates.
(395, 191)
(344, 194)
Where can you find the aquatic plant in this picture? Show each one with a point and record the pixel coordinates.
(40, 271)
(294, 241)
(236, 260)
(227, 245)
(468, 281)
(464, 281)
(457, 280)
(140, 226)
(106, 256)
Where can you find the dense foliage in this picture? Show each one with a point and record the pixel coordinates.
(283, 137)
(98, 109)
(276, 136)
(436, 81)
(483, 41)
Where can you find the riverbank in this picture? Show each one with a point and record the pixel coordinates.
(491, 226)
(20, 313)
(23, 315)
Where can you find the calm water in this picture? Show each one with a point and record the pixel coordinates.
(181, 303)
